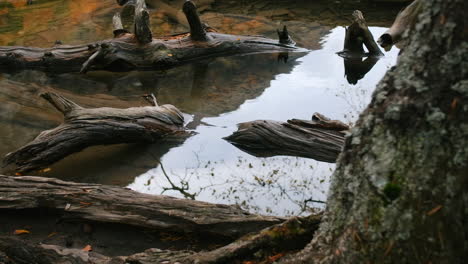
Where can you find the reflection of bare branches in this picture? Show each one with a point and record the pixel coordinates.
(182, 189)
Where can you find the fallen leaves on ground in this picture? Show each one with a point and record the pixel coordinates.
(87, 248)
(434, 210)
(276, 257)
(21, 231)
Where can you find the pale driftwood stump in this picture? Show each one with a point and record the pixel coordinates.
(85, 127)
(320, 139)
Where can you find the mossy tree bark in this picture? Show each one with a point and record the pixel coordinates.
(400, 191)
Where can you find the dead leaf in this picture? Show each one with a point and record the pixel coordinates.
(87, 248)
(85, 204)
(389, 248)
(434, 210)
(276, 257)
(248, 262)
(52, 234)
(454, 103)
(170, 55)
(21, 231)
(18, 174)
(45, 170)
(67, 207)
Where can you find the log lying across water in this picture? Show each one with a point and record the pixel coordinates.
(140, 51)
(320, 139)
(85, 127)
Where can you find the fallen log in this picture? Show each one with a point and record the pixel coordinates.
(320, 139)
(140, 51)
(85, 127)
(404, 20)
(267, 245)
(111, 204)
(357, 36)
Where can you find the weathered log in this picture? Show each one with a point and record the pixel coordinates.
(284, 37)
(142, 27)
(357, 35)
(320, 139)
(404, 20)
(85, 127)
(276, 240)
(197, 30)
(139, 51)
(117, 25)
(110, 204)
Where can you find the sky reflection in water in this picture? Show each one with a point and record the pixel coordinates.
(219, 172)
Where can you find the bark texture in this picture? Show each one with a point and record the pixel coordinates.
(404, 21)
(288, 236)
(139, 51)
(85, 127)
(400, 191)
(320, 139)
(358, 35)
(109, 204)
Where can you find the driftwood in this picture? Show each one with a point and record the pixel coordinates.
(113, 204)
(84, 127)
(320, 139)
(140, 50)
(110, 204)
(404, 20)
(357, 35)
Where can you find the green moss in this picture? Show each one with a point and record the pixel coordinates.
(392, 191)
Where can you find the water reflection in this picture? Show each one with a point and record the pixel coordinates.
(215, 95)
(357, 68)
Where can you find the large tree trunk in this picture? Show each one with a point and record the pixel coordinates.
(400, 194)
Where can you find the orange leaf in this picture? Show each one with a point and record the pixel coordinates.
(18, 174)
(21, 231)
(86, 203)
(45, 170)
(454, 103)
(434, 210)
(276, 257)
(87, 248)
(170, 55)
(248, 262)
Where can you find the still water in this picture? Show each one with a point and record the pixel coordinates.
(214, 95)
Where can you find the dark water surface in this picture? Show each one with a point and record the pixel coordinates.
(214, 95)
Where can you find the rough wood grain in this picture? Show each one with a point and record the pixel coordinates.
(109, 204)
(404, 21)
(320, 139)
(85, 127)
(357, 35)
(280, 238)
(139, 51)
